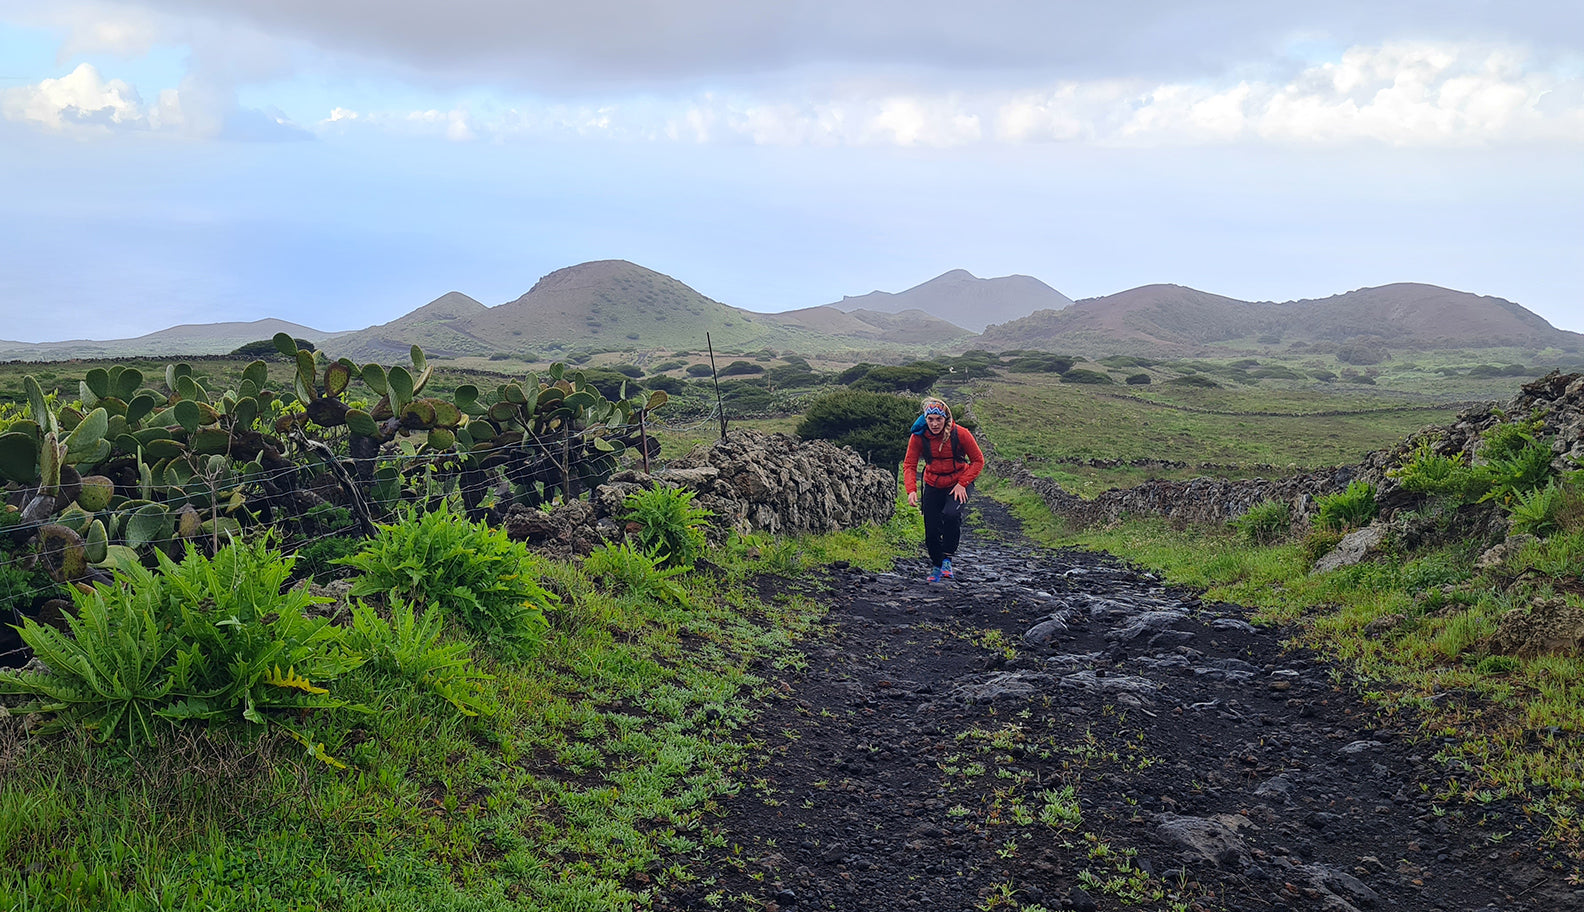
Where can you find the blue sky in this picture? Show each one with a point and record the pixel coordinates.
(341, 162)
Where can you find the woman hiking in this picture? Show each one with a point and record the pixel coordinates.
(952, 461)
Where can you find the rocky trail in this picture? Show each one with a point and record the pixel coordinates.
(1057, 730)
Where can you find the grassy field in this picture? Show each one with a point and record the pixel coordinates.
(1233, 433)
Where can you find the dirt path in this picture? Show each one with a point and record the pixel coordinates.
(1057, 730)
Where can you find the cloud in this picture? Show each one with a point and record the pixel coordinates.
(1407, 94)
(81, 99)
(553, 46)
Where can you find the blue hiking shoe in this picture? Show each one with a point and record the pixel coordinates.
(945, 569)
(934, 575)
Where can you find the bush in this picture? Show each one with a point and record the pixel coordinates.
(1361, 353)
(670, 527)
(1347, 509)
(1199, 381)
(1265, 523)
(855, 372)
(671, 365)
(914, 378)
(1084, 375)
(1138, 380)
(208, 638)
(472, 573)
(1515, 463)
(876, 425)
(628, 370)
(741, 368)
(698, 370)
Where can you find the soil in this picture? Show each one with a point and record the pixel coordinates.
(1058, 730)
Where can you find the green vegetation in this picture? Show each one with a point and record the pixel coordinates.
(1055, 428)
(1348, 509)
(874, 424)
(581, 774)
(467, 572)
(1416, 623)
(670, 527)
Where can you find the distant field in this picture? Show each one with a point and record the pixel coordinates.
(1044, 422)
(1249, 423)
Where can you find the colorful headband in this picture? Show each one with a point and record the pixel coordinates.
(935, 410)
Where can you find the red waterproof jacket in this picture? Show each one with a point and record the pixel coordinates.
(940, 470)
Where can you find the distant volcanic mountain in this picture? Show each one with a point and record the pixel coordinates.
(610, 305)
(1173, 319)
(961, 298)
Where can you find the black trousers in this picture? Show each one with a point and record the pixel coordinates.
(941, 531)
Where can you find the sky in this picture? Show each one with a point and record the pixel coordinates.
(338, 163)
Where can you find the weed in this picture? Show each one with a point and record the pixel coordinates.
(1265, 523)
(670, 527)
(1347, 509)
(472, 573)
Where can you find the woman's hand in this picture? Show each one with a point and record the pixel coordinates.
(912, 498)
(959, 493)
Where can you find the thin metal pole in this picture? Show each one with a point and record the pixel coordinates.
(719, 406)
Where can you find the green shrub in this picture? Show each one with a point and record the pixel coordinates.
(741, 368)
(699, 370)
(407, 647)
(1138, 380)
(1347, 509)
(208, 638)
(1084, 375)
(474, 574)
(670, 527)
(1506, 439)
(875, 425)
(635, 572)
(1041, 363)
(914, 378)
(320, 558)
(1265, 523)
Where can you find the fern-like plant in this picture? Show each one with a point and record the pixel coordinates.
(206, 638)
(474, 574)
(110, 675)
(1427, 472)
(1513, 473)
(620, 564)
(407, 646)
(247, 646)
(1537, 512)
(670, 527)
(1348, 509)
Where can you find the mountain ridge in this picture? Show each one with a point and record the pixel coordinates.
(616, 304)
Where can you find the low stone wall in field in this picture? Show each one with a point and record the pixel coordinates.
(777, 484)
(1557, 400)
(1197, 500)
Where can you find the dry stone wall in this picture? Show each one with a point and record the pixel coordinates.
(776, 484)
(1556, 399)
